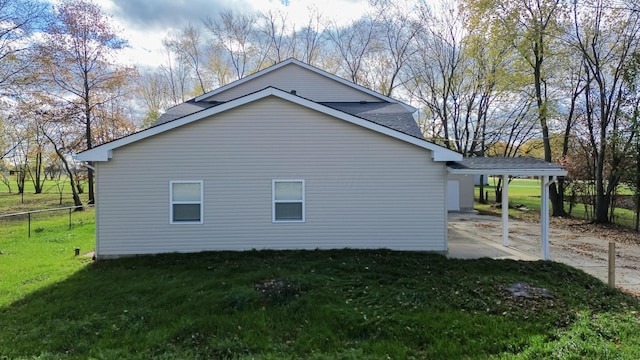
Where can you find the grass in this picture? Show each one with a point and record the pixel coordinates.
(526, 194)
(12, 202)
(340, 304)
(48, 256)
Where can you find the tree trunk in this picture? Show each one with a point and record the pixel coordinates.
(498, 190)
(557, 200)
(603, 199)
(601, 206)
(87, 113)
(637, 227)
(76, 197)
(482, 199)
(38, 182)
(21, 175)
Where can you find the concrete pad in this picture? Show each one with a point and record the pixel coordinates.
(474, 236)
(464, 245)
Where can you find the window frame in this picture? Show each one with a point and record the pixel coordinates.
(172, 202)
(274, 201)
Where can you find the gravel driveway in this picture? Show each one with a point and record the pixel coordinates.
(581, 249)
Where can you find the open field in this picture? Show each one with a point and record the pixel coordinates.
(525, 193)
(48, 199)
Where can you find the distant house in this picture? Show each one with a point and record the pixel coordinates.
(290, 157)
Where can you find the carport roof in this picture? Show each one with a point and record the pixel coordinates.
(511, 166)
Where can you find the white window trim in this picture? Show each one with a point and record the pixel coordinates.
(274, 201)
(171, 202)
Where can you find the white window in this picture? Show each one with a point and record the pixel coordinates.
(186, 202)
(288, 200)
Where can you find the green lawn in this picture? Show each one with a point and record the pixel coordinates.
(12, 202)
(48, 256)
(342, 304)
(526, 194)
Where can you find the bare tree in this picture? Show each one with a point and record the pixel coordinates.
(533, 28)
(280, 33)
(353, 43)
(176, 76)
(438, 79)
(236, 35)
(64, 145)
(18, 19)
(398, 28)
(20, 136)
(607, 39)
(188, 46)
(76, 62)
(310, 38)
(152, 90)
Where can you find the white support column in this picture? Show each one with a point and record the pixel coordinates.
(505, 210)
(544, 217)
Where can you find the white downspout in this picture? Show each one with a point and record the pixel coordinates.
(505, 210)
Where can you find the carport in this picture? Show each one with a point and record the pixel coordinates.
(512, 167)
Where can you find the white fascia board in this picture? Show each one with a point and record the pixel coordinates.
(310, 68)
(443, 154)
(104, 152)
(509, 172)
(96, 154)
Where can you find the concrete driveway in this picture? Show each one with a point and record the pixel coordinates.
(475, 236)
(468, 240)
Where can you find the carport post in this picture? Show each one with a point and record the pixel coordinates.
(505, 210)
(544, 217)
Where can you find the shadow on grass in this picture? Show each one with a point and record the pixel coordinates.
(300, 304)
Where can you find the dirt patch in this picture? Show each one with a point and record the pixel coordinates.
(485, 225)
(278, 290)
(606, 232)
(524, 290)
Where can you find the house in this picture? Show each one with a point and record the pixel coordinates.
(291, 157)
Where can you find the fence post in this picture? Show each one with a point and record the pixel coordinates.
(612, 264)
(29, 225)
(69, 218)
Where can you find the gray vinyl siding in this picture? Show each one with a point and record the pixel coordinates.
(466, 191)
(363, 189)
(294, 77)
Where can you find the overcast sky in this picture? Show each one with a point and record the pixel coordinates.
(146, 22)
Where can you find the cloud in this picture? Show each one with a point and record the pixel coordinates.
(163, 14)
(144, 15)
(145, 23)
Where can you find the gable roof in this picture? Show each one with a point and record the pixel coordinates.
(314, 69)
(104, 152)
